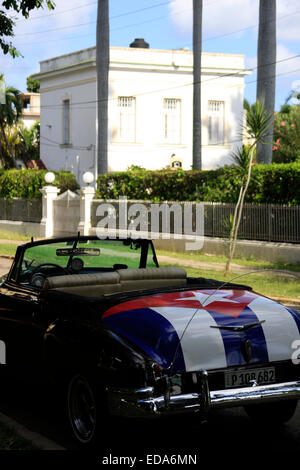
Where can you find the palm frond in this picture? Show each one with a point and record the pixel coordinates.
(258, 122)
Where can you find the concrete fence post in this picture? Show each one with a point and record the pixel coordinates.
(49, 193)
(86, 196)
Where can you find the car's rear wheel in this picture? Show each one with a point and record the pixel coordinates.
(272, 413)
(83, 412)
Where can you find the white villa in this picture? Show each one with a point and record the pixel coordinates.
(150, 108)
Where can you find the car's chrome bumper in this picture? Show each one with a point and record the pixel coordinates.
(143, 403)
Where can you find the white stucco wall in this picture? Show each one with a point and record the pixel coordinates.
(150, 76)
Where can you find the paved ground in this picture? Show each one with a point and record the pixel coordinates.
(228, 431)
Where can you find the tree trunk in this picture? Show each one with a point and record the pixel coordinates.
(197, 50)
(266, 72)
(238, 213)
(102, 63)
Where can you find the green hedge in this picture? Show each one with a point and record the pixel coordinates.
(27, 183)
(276, 183)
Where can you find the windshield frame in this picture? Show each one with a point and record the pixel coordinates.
(15, 271)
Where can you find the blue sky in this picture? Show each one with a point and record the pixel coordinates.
(228, 26)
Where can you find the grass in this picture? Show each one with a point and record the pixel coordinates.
(9, 440)
(247, 262)
(110, 253)
(6, 235)
(7, 249)
(267, 284)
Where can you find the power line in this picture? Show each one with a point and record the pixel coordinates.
(57, 144)
(155, 19)
(131, 12)
(149, 21)
(55, 13)
(167, 147)
(94, 22)
(277, 75)
(55, 106)
(118, 16)
(296, 12)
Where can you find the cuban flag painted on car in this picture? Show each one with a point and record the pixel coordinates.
(184, 330)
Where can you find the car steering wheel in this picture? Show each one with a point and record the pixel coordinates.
(36, 279)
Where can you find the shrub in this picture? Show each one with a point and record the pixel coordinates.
(286, 146)
(276, 183)
(27, 183)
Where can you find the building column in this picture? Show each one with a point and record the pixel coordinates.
(86, 196)
(49, 193)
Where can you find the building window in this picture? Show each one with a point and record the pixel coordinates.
(26, 103)
(216, 123)
(66, 122)
(126, 113)
(172, 120)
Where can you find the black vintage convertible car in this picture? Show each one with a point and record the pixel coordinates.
(117, 334)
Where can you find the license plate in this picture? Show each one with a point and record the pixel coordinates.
(246, 378)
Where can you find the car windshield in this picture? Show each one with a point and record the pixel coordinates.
(86, 256)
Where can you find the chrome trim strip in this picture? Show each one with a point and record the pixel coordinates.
(254, 394)
(132, 403)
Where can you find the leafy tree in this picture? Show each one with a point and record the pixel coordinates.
(286, 147)
(29, 146)
(266, 72)
(257, 126)
(287, 106)
(33, 85)
(9, 115)
(197, 51)
(7, 23)
(24, 143)
(13, 139)
(102, 62)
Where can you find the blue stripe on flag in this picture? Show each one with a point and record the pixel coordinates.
(233, 340)
(296, 317)
(153, 333)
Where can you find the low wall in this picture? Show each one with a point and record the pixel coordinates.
(24, 228)
(266, 251)
(21, 216)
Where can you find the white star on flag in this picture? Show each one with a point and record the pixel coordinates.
(206, 299)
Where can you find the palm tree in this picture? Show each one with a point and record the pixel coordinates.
(9, 115)
(29, 148)
(102, 63)
(266, 71)
(14, 141)
(197, 50)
